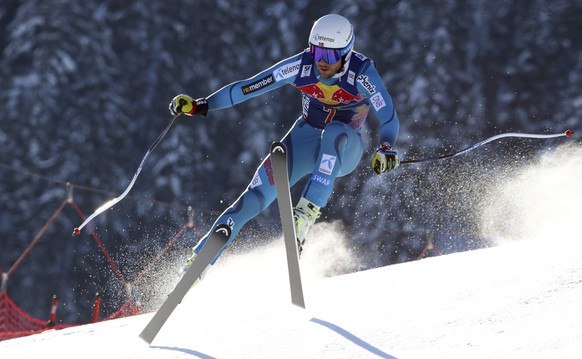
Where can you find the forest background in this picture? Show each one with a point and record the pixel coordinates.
(85, 88)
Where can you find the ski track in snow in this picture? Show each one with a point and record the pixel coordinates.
(520, 299)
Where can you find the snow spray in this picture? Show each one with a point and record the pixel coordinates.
(539, 201)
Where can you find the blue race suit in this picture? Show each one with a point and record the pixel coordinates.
(325, 142)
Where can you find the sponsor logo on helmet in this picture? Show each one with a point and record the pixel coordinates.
(286, 71)
(350, 34)
(319, 38)
(257, 85)
(365, 81)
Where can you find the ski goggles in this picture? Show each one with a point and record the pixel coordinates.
(331, 56)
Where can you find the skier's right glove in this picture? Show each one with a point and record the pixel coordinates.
(184, 104)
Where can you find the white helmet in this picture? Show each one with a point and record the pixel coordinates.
(331, 32)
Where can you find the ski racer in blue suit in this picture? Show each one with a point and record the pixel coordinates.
(339, 87)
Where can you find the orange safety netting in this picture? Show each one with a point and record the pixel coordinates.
(127, 310)
(14, 322)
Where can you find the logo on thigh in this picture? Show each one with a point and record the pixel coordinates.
(320, 179)
(230, 222)
(327, 164)
(256, 182)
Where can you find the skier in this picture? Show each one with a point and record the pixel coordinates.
(339, 87)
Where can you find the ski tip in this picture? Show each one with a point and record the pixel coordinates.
(278, 147)
(76, 232)
(223, 230)
(569, 133)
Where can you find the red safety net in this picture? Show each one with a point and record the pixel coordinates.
(14, 322)
(127, 310)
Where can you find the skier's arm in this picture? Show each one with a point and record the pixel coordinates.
(284, 72)
(370, 83)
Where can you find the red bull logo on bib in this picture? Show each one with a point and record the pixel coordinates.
(329, 95)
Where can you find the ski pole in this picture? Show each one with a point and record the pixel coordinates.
(567, 133)
(112, 202)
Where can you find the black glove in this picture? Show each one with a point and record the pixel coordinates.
(385, 159)
(184, 104)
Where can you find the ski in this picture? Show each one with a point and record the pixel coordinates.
(281, 178)
(213, 245)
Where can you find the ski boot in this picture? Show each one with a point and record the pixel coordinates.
(305, 214)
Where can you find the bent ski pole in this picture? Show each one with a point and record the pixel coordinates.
(114, 201)
(567, 133)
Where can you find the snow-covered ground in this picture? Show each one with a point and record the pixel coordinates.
(521, 299)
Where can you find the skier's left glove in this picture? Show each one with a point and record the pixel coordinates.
(184, 104)
(385, 159)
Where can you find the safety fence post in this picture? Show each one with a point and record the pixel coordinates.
(96, 308)
(53, 314)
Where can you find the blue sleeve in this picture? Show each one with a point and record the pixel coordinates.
(371, 84)
(282, 73)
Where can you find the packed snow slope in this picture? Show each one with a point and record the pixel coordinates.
(520, 299)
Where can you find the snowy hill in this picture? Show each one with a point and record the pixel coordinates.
(521, 299)
(513, 301)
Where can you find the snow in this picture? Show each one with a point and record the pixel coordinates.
(514, 301)
(520, 299)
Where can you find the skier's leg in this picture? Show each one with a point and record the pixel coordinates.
(341, 151)
(301, 141)
(258, 195)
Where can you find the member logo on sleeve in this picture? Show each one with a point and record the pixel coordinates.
(306, 70)
(257, 85)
